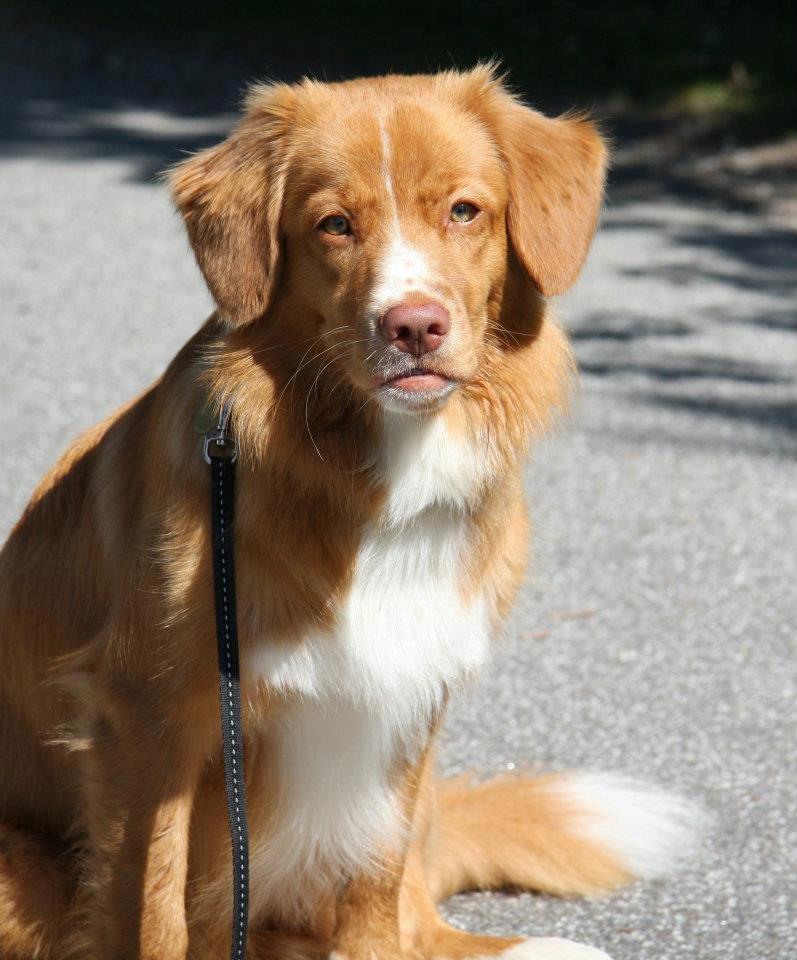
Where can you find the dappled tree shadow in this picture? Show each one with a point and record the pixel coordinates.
(625, 326)
(761, 258)
(778, 414)
(685, 368)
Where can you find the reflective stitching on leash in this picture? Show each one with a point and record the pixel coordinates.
(239, 933)
(220, 451)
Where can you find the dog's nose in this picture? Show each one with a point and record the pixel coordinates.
(416, 327)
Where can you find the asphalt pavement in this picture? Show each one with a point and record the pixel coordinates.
(656, 634)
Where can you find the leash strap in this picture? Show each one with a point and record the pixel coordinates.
(220, 452)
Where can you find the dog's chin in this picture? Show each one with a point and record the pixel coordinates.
(417, 392)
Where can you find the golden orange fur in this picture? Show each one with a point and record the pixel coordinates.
(113, 835)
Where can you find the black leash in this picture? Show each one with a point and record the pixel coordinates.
(221, 453)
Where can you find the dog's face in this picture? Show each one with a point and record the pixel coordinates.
(395, 238)
(389, 213)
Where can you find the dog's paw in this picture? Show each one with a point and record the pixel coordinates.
(553, 948)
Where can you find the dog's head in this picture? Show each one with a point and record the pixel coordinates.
(390, 214)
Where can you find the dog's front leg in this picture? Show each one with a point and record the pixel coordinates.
(368, 918)
(367, 913)
(142, 771)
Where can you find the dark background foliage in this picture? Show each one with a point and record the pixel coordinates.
(721, 57)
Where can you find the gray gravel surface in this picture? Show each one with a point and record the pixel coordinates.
(656, 634)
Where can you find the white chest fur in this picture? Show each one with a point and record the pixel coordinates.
(367, 690)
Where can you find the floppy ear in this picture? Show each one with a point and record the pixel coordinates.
(556, 171)
(230, 198)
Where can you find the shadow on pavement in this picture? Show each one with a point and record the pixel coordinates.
(685, 368)
(758, 257)
(780, 415)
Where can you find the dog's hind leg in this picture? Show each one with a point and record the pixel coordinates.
(35, 896)
(565, 834)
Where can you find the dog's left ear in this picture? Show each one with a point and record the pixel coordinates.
(556, 170)
(230, 198)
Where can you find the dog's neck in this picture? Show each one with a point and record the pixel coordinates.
(296, 417)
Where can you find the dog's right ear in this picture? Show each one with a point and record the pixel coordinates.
(230, 199)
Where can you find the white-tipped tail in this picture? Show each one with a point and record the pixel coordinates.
(650, 830)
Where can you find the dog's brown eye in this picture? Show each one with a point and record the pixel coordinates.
(337, 225)
(463, 212)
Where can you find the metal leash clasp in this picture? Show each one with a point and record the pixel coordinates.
(219, 443)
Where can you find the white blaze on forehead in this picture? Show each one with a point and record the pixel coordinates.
(386, 174)
(402, 267)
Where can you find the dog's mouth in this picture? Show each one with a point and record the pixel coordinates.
(417, 388)
(418, 381)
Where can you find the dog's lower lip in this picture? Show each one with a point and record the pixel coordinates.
(418, 382)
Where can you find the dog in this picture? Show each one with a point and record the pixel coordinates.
(381, 253)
